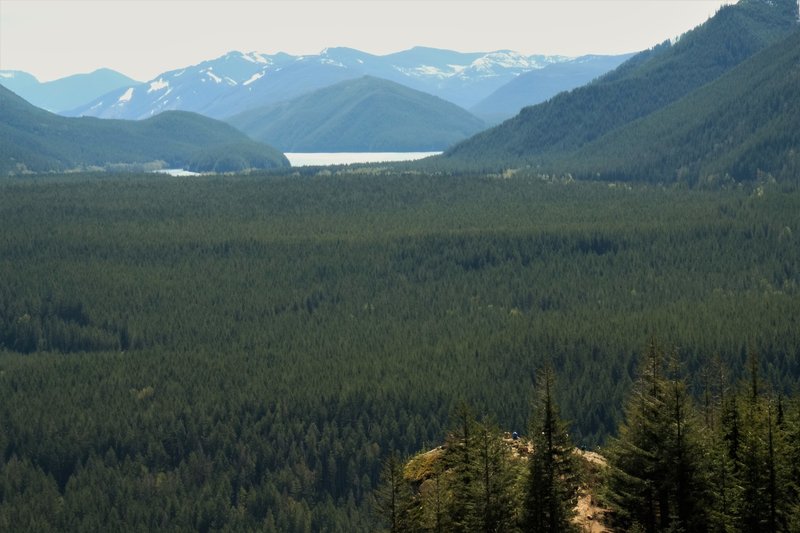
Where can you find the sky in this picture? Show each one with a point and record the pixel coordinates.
(143, 38)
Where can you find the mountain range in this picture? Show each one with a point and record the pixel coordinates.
(251, 89)
(607, 122)
(718, 103)
(65, 93)
(35, 140)
(362, 115)
(236, 82)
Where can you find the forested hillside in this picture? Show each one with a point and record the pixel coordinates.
(745, 124)
(34, 140)
(536, 86)
(243, 353)
(646, 83)
(363, 115)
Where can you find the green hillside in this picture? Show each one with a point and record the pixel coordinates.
(646, 83)
(363, 115)
(745, 124)
(542, 84)
(34, 140)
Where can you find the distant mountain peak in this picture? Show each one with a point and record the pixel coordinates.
(364, 114)
(504, 59)
(64, 93)
(237, 81)
(256, 57)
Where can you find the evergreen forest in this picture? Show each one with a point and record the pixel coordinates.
(260, 352)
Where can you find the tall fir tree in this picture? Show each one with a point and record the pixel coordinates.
(461, 460)
(765, 461)
(656, 480)
(719, 437)
(393, 497)
(552, 487)
(497, 492)
(687, 472)
(634, 487)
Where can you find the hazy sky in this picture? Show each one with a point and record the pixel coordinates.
(142, 38)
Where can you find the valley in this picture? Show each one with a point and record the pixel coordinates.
(415, 290)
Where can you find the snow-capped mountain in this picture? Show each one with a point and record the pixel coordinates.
(238, 81)
(193, 88)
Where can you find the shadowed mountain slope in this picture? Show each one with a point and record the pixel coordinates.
(34, 140)
(363, 115)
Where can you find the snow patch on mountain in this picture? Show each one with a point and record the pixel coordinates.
(500, 63)
(165, 95)
(213, 76)
(327, 61)
(157, 85)
(254, 77)
(424, 71)
(549, 60)
(255, 57)
(126, 96)
(502, 59)
(457, 69)
(488, 65)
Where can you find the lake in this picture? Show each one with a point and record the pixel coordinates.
(334, 158)
(347, 158)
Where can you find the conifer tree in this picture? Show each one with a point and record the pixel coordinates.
(496, 503)
(656, 477)
(393, 497)
(479, 479)
(552, 486)
(765, 459)
(718, 443)
(791, 427)
(686, 468)
(722, 476)
(753, 456)
(461, 459)
(635, 489)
